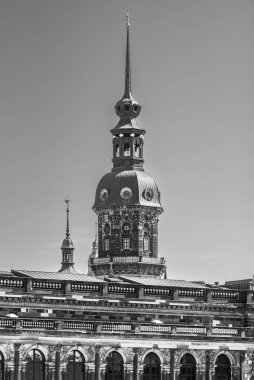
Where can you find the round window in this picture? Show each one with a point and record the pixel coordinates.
(148, 194)
(126, 193)
(103, 194)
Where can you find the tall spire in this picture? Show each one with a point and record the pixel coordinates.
(67, 201)
(127, 108)
(67, 246)
(127, 89)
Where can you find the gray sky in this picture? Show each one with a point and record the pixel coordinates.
(61, 72)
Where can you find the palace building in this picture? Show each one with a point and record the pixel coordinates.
(124, 320)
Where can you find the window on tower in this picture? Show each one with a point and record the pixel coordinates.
(126, 243)
(126, 228)
(137, 149)
(106, 245)
(117, 150)
(126, 149)
(146, 243)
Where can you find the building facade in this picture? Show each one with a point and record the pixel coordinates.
(124, 320)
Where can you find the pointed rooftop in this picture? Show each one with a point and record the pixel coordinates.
(67, 247)
(127, 108)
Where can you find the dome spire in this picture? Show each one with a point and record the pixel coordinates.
(127, 89)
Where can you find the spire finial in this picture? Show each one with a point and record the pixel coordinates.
(67, 201)
(127, 19)
(128, 66)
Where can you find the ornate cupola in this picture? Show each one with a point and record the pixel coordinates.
(127, 200)
(67, 247)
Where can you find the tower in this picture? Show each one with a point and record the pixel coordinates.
(67, 247)
(127, 200)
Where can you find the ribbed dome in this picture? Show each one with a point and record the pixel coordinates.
(127, 188)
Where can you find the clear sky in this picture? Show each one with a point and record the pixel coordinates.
(61, 72)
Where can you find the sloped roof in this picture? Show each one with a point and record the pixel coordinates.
(151, 281)
(55, 276)
(5, 273)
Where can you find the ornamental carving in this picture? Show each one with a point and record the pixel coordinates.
(90, 351)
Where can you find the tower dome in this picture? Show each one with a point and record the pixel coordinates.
(127, 199)
(127, 188)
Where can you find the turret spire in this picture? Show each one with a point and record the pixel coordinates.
(127, 89)
(67, 201)
(67, 246)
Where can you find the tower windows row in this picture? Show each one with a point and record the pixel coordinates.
(126, 244)
(129, 149)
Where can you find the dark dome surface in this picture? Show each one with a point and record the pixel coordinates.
(139, 186)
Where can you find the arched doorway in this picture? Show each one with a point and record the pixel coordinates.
(114, 367)
(222, 368)
(188, 368)
(75, 366)
(1, 366)
(152, 368)
(35, 367)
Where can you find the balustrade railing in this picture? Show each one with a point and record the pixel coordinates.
(120, 327)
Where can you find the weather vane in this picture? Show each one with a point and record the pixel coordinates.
(67, 201)
(127, 19)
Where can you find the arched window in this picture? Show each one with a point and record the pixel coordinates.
(126, 149)
(137, 149)
(106, 229)
(146, 238)
(75, 366)
(35, 367)
(188, 368)
(126, 228)
(146, 243)
(152, 368)
(117, 150)
(106, 244)
(1, 366)
(222, 368)
(114, 368)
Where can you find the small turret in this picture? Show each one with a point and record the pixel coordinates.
(67, 247)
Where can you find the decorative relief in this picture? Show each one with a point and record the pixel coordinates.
(90, 351)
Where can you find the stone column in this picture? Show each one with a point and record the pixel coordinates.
(212, 372)
(208, 361)
(102, 372)
(57, 361)
(177, 371)
(140, 371)
(90, 367)
(135, 363)
(50, 371)
(242, 359)
(9, 371)
(235, 373)
(201, 372)
(165, 372)
(97, 363)
(128, 370)
(172, 364)
(16, 362)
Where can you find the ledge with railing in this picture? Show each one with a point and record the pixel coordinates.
(16, 325)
